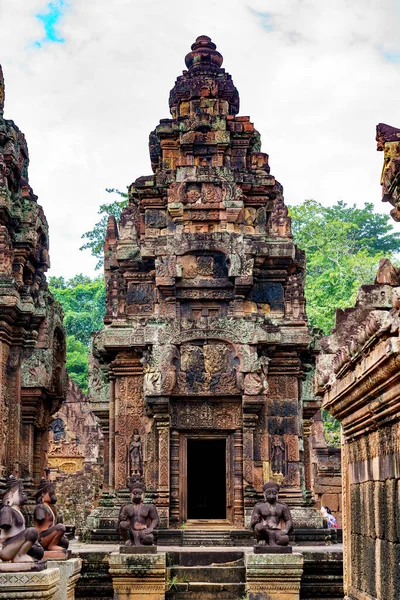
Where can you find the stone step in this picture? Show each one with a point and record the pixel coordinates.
(211, 574)
(198, 558)
(206, 591)
(206, 538)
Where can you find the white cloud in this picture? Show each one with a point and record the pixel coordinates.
(315, 87)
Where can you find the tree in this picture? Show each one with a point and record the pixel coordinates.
(96, 236)
(83, 302)
(343, 246)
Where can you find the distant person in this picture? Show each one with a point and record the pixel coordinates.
(327, 514)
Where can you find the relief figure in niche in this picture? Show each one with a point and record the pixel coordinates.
(277, 454)
(215, 358)
(136, 454)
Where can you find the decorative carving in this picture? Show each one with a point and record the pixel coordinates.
(206, 415)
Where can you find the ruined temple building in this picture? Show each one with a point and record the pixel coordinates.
(201, 378)
(358, 380)
(32, 337)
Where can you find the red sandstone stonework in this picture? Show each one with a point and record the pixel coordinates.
(206, 336)
(32, 337)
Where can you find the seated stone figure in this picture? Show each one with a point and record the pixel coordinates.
(267, 518)
(51, 533)
(138, 520)
(18, 545)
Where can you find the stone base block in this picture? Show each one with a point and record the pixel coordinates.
(20, 567)
(273, 576)
(138, 549)
(138, 576)
(57, 554)
(28, 586)
(273, 549)
(69, 574)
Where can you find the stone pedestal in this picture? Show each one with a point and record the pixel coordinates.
(273, 576)
(138, 576)
(30, 585)
(69, 574)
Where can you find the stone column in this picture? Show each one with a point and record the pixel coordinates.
(69, 574)
(138, 576)
(30, 585)
(273, 576)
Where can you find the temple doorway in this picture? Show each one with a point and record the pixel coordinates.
(206, 479)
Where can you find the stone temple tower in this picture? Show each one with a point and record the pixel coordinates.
(201, 376)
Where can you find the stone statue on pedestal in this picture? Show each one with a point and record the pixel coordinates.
(19, 548)
(51, 533)
(137, 521)
(267, 520)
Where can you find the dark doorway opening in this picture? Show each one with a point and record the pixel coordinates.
(206, 479)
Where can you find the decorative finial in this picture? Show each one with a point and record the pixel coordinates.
(203, 54)
(2, 92)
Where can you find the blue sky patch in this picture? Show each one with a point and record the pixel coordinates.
(393, 57)
(50, 18)
(265, 20)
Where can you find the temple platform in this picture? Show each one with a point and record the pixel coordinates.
(211, 572)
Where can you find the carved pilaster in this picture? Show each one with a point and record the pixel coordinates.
(4, 351)
(162, 420)
(129, 411)
(13, 400)
(249, 423)
(238, 504)
(307, 425)
(174, 508)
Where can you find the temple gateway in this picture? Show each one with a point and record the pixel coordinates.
(201, 378)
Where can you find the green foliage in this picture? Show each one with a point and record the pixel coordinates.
(83, 302)
(331, 430)
(343, 247)
(96, 236)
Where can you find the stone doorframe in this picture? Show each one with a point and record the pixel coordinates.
(234, 474)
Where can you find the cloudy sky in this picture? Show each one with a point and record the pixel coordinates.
(87, 80)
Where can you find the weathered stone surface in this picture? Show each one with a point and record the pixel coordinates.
(273, 577)
(32, 337)
(138, 576)
(69, 575)
(388, 141)
(21, 586)
(359, 381)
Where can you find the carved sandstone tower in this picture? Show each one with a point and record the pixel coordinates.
(32, 337)
(206, 348)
